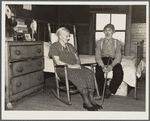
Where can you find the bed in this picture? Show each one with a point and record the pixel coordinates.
(132, 65)
(129, 67)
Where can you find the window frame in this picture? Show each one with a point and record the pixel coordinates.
(111, 22)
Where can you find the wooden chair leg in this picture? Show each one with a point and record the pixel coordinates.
(57, 83)
(67, 85)
(68, 94)
(96, 86)
(58, 91)
(135, 90)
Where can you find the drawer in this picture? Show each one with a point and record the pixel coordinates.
(25, 82)
(19, 68)
(18, 52)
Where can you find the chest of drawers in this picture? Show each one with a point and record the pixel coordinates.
(24, 64)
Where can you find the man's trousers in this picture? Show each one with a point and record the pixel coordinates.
(116, 79)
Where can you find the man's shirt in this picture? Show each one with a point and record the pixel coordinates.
(108, 48)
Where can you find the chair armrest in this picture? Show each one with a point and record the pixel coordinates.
(89, 64)
(61, 66)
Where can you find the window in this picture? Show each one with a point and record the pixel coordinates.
(118, 20)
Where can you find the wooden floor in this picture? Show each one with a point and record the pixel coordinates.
(45, 100)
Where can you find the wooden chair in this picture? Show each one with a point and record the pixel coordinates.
(63, 84)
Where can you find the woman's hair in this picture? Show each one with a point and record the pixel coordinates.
(60, 30)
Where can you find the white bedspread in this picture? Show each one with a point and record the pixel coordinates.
(128, 64)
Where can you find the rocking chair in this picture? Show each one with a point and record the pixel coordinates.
(63, 84)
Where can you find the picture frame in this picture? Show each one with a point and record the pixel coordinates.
(27, 37)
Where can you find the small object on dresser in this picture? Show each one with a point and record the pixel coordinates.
(27, 37)
(12, 21)
(9, 39)
(20, 37)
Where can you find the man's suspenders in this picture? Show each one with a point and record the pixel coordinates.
(103, 41)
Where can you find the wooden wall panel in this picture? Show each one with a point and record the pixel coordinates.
(128, 33)
(83, 39)
(139, 13)
(92, 34)
(73, 14)
(138, 33)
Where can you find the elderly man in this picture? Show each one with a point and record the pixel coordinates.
(108, 57)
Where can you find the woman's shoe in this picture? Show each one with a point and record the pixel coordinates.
(89, 108)
(97, 106)
(93, 102)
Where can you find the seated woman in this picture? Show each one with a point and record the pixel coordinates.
(64, 53)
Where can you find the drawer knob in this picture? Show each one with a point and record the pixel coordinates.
(40, 63)
(40, 77)
(18, 52)
(18, 84)
(20, 69)
(38, 50)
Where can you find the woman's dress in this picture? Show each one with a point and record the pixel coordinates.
(82, 78)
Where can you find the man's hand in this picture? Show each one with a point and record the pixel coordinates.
(109, 68)
(105, 69)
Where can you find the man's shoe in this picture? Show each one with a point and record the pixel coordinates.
(107, 93)
(107, 96)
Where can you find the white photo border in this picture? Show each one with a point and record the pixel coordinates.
(71, 115)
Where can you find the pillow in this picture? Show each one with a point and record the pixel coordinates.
(128, 57)
(54, 37)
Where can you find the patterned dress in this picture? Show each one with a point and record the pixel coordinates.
(82, 78)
